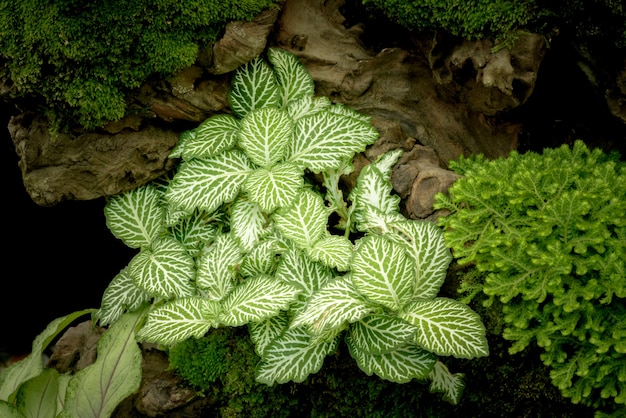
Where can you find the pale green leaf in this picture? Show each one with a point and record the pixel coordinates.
(430, 253)
(294, 81)
(450, 385)
(256, 299)
(260, 260)
(248, 223)
(336, 304)
(401, 365)
(252, 87)
(262, 333)
(447, 327)
(380, 333)
(304, 222)
(208, 182)
(166, 269)
(37, 397)
(180, 319)
(216, 134)
(308, 105)
(121, 295)
(274, 187)
(217, 267)
(136, 217)
(292, 357)
(323, 140)
(8, 410)
(97, 390)
(302, 272)
(382, 271)
(333, 251)
(265, 134)
(197, 229)
(343, 110)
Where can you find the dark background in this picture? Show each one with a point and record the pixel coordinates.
(56, 260)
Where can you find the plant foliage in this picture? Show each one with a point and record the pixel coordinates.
(548, 233)
(239, 236)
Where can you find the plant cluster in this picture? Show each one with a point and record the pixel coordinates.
(83, 57)
(548, 234)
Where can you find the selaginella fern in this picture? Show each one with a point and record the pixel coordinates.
(548, 233)
(238, 236)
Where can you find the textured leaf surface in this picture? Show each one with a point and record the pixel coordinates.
(121, 295)
(248, 223)
(294, 81)
(401, 365)
(209, 182)
(274, 187)
(265, 134)
(256, 299)
(447, 327)
(333, 251)
(262, 333)
(166, 270)
(308, 105)
(450, 385)
(379, 333)
(136, 217)
(292, 357)
(216, 134)
(253, 86)
(260, 260)
(304, 222)
(302, 272)
(216, 267)
(181, 319)
(382, 271)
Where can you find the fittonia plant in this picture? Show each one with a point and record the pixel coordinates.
(239, 237)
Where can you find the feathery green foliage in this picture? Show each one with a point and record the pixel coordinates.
(548, 233)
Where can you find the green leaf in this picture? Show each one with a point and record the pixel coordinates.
(265, 134)
(401, 365)
(256, 299)
(383, 272)
(450, 385)
(99, 388)
(252, 87)
(294, 80)
(447, 327)
(216, 134)
(217, 266)
(37, 397)
(380, 333)
(333, 251)
(308, 105)
(136, 217)
(180, 319)
(324, 140)
(298, 270)
(260, 260)
(304, 222)
(248, 223)
(208, 182)
(274, 187)
(8, 410)
(166, 270)
(334, 305)
(197, 229)
(292, 357)
(121, 295)
(262, 333)
(431, 256)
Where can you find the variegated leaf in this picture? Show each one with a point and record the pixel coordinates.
(343, 110)
(260, 260)
(337, 303)
(333, 251)
(256, 299)
(300, 271)
(197, 230)
(294, 80)
(180, 319)
(292, 357)
(248, 223)
(262, 333)
(136, 217)
(265, 134)
(401, 365)
(165, 270)
(308, 105)
(450, 385)
(430, 253)
(179, 148)
(324, 139)
(380, 333)
(274, 187)
(216, 267)
(252, 87)
(207, 183)
(121, 295)
(382, 271)
(304, 222)
(216, 134)
(447, 327)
